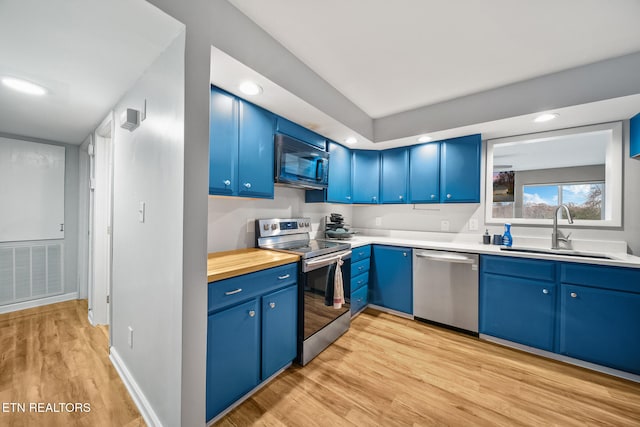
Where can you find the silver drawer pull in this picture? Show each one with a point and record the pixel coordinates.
(237, 291)
(252, 313)
(286, 276)
(574, 295)
(272, 304)
(545, 291)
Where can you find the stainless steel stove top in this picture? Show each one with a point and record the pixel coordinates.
(292, 235)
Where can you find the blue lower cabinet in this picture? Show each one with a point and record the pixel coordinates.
(279, 320)
(634, 137)
(517, 309)
(359, 281)
(391, 278)
(601, 326)
(359, 299)
(233, 355)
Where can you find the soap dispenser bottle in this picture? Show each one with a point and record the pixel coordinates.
(486, 239)
(507, 240)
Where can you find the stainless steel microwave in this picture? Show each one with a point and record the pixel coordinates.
(298, 164)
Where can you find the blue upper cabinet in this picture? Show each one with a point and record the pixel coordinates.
(240, 147)
(255, 151)
(460, 169)
(634, 149)
(366, 176)
(339, 190)
(424, 173)
(287, 127)
(393, 175)
(223, 147)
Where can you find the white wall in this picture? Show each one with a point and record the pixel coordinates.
(229, 217)
(147, 257)
(70, 210)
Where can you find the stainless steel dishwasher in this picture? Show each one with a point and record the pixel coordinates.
(445, 288)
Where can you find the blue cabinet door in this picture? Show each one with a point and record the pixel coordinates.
(255, 151)
(394, 167)
(518, 309)
(287, 127)
(233, 355)
(601, 326)
(223, 143)
(339, 190)
(391, 279)
(424, 173)
(366, 176)
(634, 137)
(460, 169)
(279, 329)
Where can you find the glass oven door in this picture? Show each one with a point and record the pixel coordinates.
(318, 284)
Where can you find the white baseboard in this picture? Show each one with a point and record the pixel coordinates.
(90, 317)
(147, 412)
(38, 302)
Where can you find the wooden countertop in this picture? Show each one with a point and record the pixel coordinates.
(223, 265)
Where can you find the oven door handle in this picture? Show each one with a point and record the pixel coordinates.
(323, 261)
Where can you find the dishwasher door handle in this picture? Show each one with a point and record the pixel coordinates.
(455, 258)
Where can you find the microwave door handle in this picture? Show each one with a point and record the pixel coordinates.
(319, 169)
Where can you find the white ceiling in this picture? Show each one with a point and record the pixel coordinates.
(392, 56)
(86, 53)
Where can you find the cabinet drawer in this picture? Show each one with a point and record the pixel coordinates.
(519, 267)
(237, 289)
(359, 267)
(359, 299)
(616, 278)
(359, 281)
(360, 253)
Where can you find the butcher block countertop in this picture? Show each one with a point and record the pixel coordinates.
(223, 265)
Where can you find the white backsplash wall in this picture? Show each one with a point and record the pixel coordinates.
(229, 217)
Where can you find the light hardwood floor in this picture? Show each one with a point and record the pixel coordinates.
(52, 354)
(389, 371)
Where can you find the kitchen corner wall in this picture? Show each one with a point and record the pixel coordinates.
(229, 217)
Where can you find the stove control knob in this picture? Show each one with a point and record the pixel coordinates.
(300, 224)
(265, 227)
(306, 224)
(274, 226)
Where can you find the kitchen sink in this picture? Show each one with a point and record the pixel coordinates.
(566, 252)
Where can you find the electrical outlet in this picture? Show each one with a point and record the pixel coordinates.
(378, 221)
(473, 224)
(444, 225)
(130, 337)
(141, 211)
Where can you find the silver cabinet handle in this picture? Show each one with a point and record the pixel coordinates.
(247, 185)
(286, 276)
(348, 197)
(448, 196)
(360, 253)
(404, 254)
(374, 198)
(237, 291)
(226, 182)
(574, 295)
(433, 196)
(545, 291)
(272, 304)
(360, 267)
(252, 313)
(400, 197)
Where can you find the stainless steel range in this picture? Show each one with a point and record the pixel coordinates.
(319, 323)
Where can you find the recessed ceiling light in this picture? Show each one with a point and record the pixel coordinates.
(424, 138)
(250, 88)
(546, 117)
(23, 86)
(351, 140)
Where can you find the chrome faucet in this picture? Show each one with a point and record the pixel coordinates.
(556, 236)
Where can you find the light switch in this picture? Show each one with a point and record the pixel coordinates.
(141, 211)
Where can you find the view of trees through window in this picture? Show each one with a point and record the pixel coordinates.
(585, 200)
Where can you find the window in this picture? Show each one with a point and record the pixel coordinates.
(585, 200)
